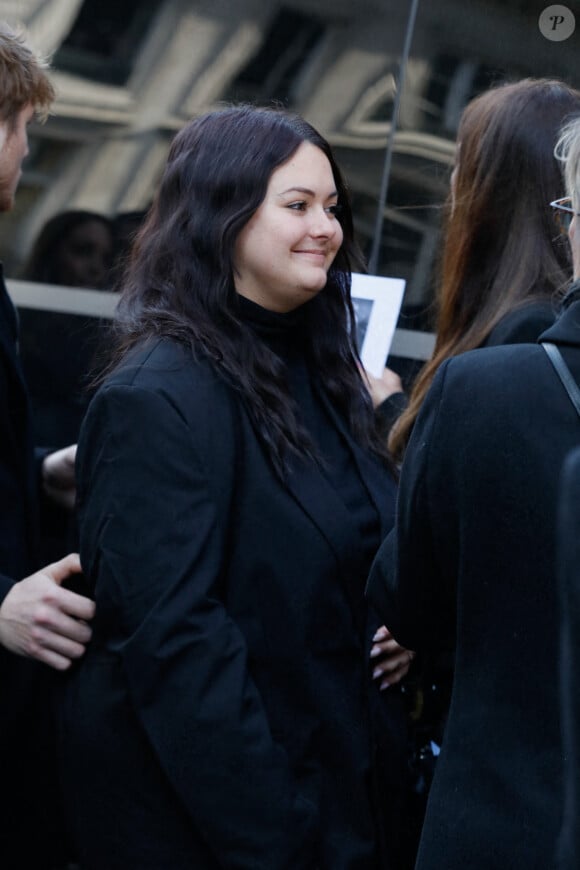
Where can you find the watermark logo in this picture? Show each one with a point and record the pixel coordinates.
(557, 23)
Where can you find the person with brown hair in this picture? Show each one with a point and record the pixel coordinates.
(504, 269)
(505, 265)
(38, 618)
(472, 565)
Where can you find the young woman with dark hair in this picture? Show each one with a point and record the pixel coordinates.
(504, 265)
(232, 493)
(192, 298)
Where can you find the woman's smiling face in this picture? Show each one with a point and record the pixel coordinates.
(283, 254)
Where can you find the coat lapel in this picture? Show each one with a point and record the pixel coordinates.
(566, 329)
(318, 499)
(378, 482)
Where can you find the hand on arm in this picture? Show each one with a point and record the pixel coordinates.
(41, 620)
(390, 660)
(58, 476)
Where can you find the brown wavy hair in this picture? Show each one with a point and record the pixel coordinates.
(23, 77)
(501, 247)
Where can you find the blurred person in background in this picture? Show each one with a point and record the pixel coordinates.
(59, 350)
(73, 249)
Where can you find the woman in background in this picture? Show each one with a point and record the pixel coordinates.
(471, 565)
(58, 349)
(73, 249)
(505, 264)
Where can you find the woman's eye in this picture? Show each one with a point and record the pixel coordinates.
(302, 205)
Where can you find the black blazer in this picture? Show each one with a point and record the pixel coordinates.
(472, 564)
(220, 717)
(569, 576)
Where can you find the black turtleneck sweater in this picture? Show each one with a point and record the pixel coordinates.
(285, 335)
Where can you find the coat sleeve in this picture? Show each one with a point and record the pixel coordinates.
(406, 584)
(152, 539)
(6, 584)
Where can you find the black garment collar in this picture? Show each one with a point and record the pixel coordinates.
(267, 322)
(572, 294)
(285, 334)
(566, 329)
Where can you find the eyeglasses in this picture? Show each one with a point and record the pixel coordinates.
(563, 212)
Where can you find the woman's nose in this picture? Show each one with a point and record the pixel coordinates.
(323, 223)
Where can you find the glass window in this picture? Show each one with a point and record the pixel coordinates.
(105, 38)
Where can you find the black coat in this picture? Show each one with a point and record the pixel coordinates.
(472, 565)
(522, 325)
(569, 574)
(27, 751)
(221, 716)
(18, 473)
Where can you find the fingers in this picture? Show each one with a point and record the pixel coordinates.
(52, 625)
(384, 386)
(59, 463)
(393, 667)
(383, 643)
(72, 604)
(61, 570)
(386, 647)
(58, 476)
(71, 453)
(53, 660)
(41, 620)
(394, 677)
(65, 600)
(58, 623)
(55, 645)
(391, 661)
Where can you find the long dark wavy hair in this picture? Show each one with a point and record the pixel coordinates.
(501, 246)
(179, 282)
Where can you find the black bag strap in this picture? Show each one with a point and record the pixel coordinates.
(563, 373)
